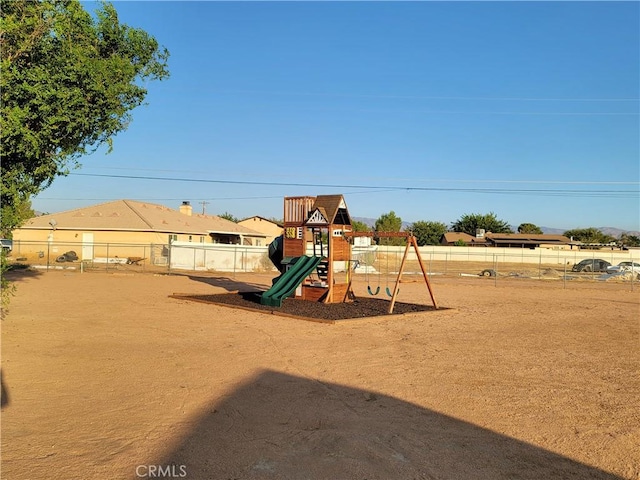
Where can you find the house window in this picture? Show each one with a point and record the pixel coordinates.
(201, 239)
(190, 238)
(173, 238)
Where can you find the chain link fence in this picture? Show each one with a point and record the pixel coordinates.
(381, 264)
(91, 256)
(376, 264)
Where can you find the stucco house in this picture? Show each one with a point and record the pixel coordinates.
(454, 238)
(528, 240)
(513, 240)
(263, 225)
(124, 225)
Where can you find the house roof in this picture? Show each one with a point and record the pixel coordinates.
(527, 239)
(279, 224)
(330, 206)
(453, 237)
(131, 215)
(507, 239)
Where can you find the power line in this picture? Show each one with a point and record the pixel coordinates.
(180, 199)
(554, 192)
(386, 177)
(430, 97)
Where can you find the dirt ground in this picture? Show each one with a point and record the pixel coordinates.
(110, 378)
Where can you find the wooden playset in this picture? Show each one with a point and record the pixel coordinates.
(314, 253)
(317, 226)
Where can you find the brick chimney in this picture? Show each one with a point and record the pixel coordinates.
(186, 208)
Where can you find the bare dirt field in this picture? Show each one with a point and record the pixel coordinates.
(110, 378)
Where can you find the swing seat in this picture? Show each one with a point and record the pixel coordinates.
(389, 292)
(373, 293)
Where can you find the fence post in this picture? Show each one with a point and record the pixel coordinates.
(235, 251)
(540, 263)
(495, 270)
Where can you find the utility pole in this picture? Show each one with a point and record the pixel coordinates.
(203, 203)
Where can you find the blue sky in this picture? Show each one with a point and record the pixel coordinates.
(432, 110)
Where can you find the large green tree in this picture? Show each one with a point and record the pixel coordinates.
(468, 223)
(230, 217)
(15, 214)
(359, 226)
(69, 82)
(529, 228)
(389, 222)
(428, 233)
(589, 235)
(628, 240)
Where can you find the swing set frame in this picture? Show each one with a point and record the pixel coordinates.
(410, 242)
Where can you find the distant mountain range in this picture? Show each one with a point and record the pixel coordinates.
(614, 232)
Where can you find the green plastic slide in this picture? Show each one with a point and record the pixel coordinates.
(287, 283)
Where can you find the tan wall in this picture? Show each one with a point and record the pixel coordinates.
(106, 243)
(270, 229)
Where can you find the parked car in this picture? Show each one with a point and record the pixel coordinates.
(591, 265)
(7, 245)
(625, 267)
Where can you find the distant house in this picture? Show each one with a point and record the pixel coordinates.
(455, 238)
(263, 225)
(528, 240)
(512, 240)
(128, 222)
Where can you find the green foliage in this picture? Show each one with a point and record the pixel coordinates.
(16, 214)
(589, 235)
(389, 222)
(230, 217)
(360, 226)
(629, 240)
(6, 288)
(67, 86)
(529, 228)
(468, 223)
(460, 243)
(428, 233)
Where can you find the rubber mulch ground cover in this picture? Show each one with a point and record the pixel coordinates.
(361, 307)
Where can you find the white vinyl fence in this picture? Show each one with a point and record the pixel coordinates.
(219, 257)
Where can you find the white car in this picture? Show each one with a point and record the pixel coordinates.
(625, 267)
